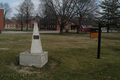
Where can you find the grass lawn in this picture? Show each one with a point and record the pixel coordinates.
(71, 57)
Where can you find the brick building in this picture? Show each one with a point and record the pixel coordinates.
(50, 25)
(53, 25)
(2, 19)
(13, 24)
(85, 28)
(10, 24)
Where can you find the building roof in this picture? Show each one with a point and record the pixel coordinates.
(87, 26)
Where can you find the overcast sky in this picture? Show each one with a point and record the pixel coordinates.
(14, 4)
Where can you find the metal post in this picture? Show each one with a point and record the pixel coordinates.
(99, 42)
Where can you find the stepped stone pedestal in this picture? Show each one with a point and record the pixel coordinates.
(36, 56)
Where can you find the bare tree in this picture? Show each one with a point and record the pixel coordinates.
(6, 8)
(89, 20)
(20, 16)
(28, 10)
(84, 9)
(63, 11)
(45, 13)
(25, 13)
(42, 8)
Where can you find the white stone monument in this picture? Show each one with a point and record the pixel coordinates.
(36, 56)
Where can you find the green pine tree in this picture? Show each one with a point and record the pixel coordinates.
(110, 14)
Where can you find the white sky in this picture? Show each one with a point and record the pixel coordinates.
(14, 4)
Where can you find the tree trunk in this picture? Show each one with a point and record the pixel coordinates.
(78, 26)
(108, 29)
(39, 27)
(45, 27)
(27, 28)
(21, 26)
(27, 22)
(61, 30)
(78, 29)
(67, 29)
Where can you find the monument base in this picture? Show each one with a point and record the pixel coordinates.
(37, 60)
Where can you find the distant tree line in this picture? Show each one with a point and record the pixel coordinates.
(78, 12)
(69, 10)
(25, 13)
(63, 11)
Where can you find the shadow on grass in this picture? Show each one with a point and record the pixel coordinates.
(112, 38)
(52, 64)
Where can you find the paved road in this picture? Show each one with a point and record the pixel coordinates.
(16, 32)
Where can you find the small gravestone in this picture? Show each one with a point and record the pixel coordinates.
(36, 56)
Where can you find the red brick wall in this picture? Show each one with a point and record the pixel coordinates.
(58, 27)
(15, 24)
(1, 19)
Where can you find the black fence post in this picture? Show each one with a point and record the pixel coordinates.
(99, 42)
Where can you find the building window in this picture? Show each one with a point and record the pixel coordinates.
(6, 25)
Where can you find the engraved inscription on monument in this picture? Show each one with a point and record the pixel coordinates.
(36, 37)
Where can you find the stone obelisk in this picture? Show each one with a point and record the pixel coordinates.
(36, 56)
(36, 41)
